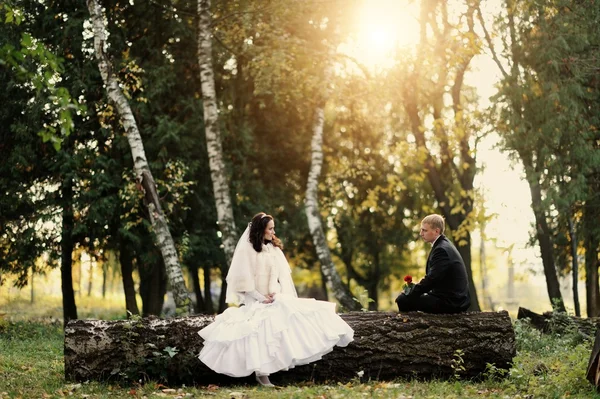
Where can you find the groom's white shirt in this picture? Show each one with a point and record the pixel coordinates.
(433, 243)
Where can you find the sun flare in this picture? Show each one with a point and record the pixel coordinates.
(382, 29)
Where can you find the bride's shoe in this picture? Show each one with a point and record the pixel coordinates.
(264, 381)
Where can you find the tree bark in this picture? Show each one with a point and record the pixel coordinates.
(66, 255)
(199, 305)
(162, 235)
(465, 253)
(591, 215)
(126, 261)
(210, 308)
(386, 346)
(90, 277)
(593, 369)
(332, 277)
(213, 136)
(223, 294)
(153, 287)
(104, 278)
(482, 265)
(543, 235)
(574, 266)
(591, 278)
(31, 289)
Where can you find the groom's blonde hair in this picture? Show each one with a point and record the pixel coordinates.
(435, 221)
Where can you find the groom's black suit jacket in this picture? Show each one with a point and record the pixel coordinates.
(445, 276)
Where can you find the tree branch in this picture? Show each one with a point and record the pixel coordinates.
(488, 39)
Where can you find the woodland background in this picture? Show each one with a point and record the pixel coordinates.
(404, 127)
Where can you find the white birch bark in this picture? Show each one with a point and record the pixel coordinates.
(163, 237)
(333, 280)
(213, 136)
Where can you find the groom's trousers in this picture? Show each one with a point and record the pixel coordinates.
(425, 303)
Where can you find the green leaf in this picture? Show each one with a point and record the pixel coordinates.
(26, 40)
(171, 351)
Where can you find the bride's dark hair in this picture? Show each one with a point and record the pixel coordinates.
(257, 231)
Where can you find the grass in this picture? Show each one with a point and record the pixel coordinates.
(49, 307)
(546, 366)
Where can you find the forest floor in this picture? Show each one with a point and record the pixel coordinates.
(32, 366)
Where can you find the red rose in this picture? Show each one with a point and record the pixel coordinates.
(408, 279)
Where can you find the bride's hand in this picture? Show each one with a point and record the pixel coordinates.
(269, 299)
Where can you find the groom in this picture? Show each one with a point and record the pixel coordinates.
(445, 287)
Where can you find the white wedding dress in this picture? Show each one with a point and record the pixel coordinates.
(266, 338)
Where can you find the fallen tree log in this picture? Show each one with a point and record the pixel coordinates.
(559, 322)
(386, 346)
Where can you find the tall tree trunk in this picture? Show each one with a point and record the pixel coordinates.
(66, 248)
(373, 295)
(592, 243)
(510, 288)
(199, 305)
(334, 282)
(483, 270)
(324, 285)
(104, 277)
(126, 261)
(451, 168)
(79, 276)
(453, 220)
(209, 307)
(90, 277)
(32, 297)
(162, 235)
(591, 279)
(153, 287)
(213, 135)
(574, 266)
(544, 237)
(374, 278)
(465, 253)
(222, 296)
(542, 229)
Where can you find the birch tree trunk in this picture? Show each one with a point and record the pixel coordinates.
(334, 282)
(162, 235)
(213, 136)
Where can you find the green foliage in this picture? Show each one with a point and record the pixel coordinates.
(364, 300)
(493, 373)
(269, 65)
(458, 364)
(40, 69)
(549, 364)
(545, 112)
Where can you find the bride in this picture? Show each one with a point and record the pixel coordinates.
(274, 330)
